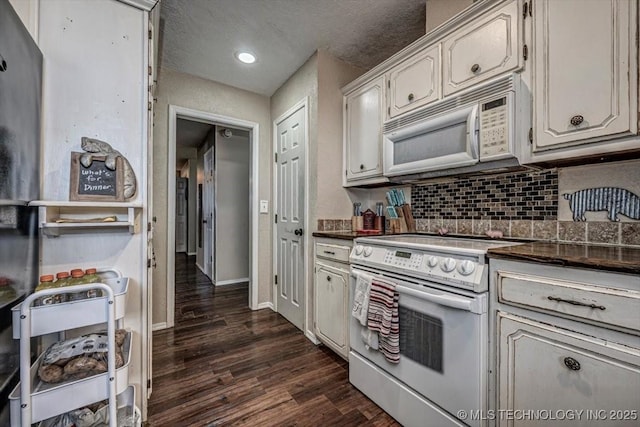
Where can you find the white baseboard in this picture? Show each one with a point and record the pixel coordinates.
(312, 337)
(267, 304)
(159, 326)
(231, 282)
(200, 267)
(192, 253)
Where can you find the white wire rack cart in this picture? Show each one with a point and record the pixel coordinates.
(33, 401)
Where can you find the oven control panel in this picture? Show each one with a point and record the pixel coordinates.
(463, 272)
(403, 259)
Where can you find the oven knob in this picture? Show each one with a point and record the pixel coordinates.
(432, 261)
(448, 264)
(368, 251)
(466, 267)
(358, 249)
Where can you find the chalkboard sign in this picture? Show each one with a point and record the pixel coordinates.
(96, 182)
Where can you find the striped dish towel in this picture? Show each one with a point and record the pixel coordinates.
(383, 318)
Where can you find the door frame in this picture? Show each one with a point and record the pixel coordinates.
(176, 112)
(303, 103)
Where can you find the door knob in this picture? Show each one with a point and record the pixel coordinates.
(204, 221)
(298, 232)
(410, 97)
(475, 68)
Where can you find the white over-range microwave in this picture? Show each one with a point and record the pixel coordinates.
(470, 131)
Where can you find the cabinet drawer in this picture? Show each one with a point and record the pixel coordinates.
(333, 252)
(597, 304)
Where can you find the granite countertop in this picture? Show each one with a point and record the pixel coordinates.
(611, 258)
(344, 235)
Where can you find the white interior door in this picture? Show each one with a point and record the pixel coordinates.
(207, 212)
(291, 140)
(181, 214)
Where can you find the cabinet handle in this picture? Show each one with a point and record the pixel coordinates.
(582, 304)
(361, 167)
(576, 120)
(572, 363)
(329, 252)
(328, 278)
(410, 97)
(475, 68)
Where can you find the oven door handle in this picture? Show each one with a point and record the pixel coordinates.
(451, 301)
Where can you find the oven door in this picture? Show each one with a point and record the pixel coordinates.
(449, 140)
(443, 343)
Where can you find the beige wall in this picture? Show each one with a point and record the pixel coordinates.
(439, 11)
(232, 223)
(184, 90)
(332, 200)
(320, 79)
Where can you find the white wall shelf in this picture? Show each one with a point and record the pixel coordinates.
(60, 217)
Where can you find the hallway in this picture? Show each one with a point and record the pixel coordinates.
(223, 364)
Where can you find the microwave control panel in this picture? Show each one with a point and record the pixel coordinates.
(494, 129)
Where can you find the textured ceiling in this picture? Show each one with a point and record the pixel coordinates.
(200, 37)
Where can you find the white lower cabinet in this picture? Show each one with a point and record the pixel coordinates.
(557, 354)
(331, 297)
(542, 367)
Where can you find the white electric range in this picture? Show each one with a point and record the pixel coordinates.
(442, 285)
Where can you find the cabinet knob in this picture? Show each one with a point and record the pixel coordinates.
(328, 278)
(361, 167)
(572, 363)
(576, 120)
(475, 68)
(410, 97)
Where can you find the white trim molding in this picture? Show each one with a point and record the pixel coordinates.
(266, 304)
(176, 112)
(159, 326)
(141, 4)
(231, 282)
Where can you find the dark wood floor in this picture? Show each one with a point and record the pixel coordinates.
(223, 364)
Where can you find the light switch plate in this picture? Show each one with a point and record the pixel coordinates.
(264, 206)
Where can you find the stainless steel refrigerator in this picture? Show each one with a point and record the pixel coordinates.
(20, 103)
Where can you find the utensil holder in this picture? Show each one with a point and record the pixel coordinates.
(356, 223)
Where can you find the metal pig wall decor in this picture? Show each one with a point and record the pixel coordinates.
(611, 199)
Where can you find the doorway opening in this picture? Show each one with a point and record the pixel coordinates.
(221, 204)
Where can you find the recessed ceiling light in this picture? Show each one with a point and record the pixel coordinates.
(246, 57)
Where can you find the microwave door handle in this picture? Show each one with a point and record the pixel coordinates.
(474, 133)
(451, 301)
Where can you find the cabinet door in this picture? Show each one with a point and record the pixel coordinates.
(584, 55)
(331, 300)
(488, 47)
(542, 367)
(363, 131)
(414, 82)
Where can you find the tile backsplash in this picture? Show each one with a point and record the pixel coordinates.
(512, 196)
(523, 204)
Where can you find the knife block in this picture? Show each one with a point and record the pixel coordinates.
(397, 225)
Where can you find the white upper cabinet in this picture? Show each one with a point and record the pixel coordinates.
(363, 132)
(484, 48)
(414, 82)
(585, 53)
